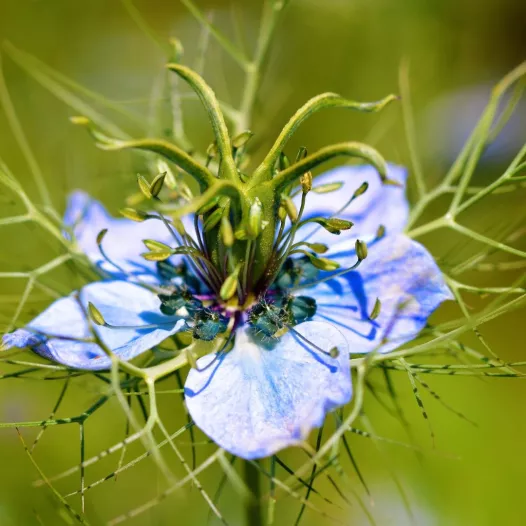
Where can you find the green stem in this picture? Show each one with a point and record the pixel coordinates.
(410, 130)
(18, 132)
(508, 174)
(271, 12)
(253, 510)
(441, 222)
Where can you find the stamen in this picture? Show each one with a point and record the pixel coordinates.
(376, 309)
(328, 278)
(357, 193)
(361, 254)
(132, 277)
(147, 326)
(97, 317)
(333, 352)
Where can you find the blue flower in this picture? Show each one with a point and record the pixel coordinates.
(285, 363)
(257, 400)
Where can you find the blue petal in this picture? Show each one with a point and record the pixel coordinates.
(123, 242)
(255, 400)
(55, 333)
(380, 205)
(403, 276)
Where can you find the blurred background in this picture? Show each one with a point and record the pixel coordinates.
(455, 50)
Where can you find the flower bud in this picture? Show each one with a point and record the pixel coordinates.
(157, 255)
(319, 248)
(151, 244)
(101, 235)
(376, 309)
(226, 232)
(96, 315)
(284, 162)
(157, 184)
(361, 249)
(333, 225)
(306, 182)
(380, 232)
(229, 287)
(361, 190)
(327, 188)
(340, 224)
(134, 215)
(302, 153)
(144, 186)
(254, 218)
(323, 263)
(179, 227)
(240, 140)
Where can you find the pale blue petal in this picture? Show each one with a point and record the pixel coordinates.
(406, 279)
(123, 242)
(54, 334)
(254, 401)
(380, 205)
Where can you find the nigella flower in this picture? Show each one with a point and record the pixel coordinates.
(250, 268)
(286, 364)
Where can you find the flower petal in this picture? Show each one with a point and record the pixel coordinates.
(403, 276)
(380, 205)
(259, 398)
(123, 242)
(55, 333)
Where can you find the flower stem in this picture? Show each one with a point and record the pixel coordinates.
(253, 509)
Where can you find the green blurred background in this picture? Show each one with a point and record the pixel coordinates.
(472, 475)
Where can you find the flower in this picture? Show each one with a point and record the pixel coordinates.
(284, 360)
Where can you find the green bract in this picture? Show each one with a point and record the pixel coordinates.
(239, 209)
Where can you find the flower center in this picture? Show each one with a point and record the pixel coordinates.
(271, 313)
